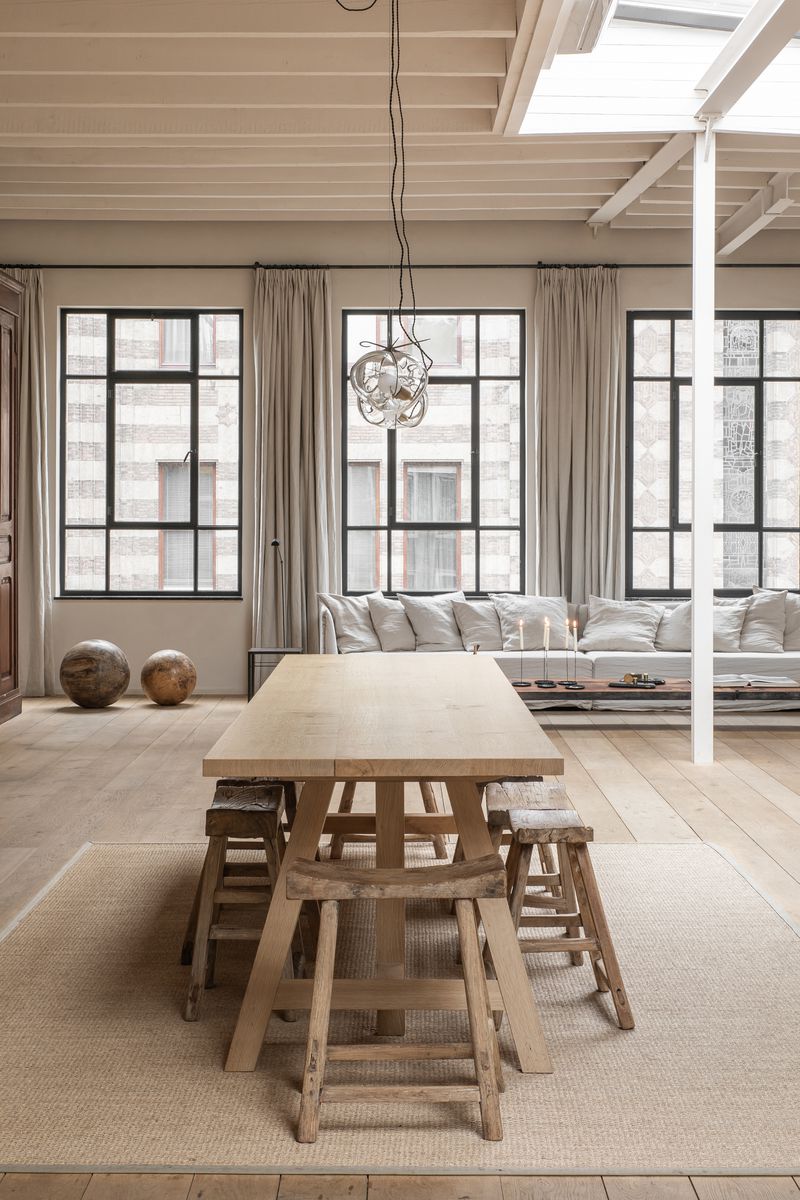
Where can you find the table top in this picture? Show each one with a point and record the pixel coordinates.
(385, 716)
(671, 689)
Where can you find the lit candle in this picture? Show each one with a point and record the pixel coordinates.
(521, 638)
(547, 633)
(575, 636)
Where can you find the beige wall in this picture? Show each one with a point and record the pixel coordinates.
(215, 633)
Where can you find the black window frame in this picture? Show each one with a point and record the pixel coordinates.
(676, 382)
(393, 524)
(193, 375)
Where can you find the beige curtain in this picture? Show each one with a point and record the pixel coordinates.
(37, 674)
(579, 345)
(294, 452)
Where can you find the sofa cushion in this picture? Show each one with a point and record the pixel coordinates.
(355, 632)
(764, 622)
(391, 624)
(620, 625)
(791, 615)
(532, 611)
(533, 668)
(433, 622)
(677, 665)
(675, 629)
(479, 623)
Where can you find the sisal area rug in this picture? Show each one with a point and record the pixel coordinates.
(98, 1070)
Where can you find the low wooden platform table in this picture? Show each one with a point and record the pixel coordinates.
(389, 719)
(671, 689)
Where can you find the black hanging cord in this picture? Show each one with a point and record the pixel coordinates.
(366, 7)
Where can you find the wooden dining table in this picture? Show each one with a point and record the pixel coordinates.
(387, 719)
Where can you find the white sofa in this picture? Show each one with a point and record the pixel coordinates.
(612, 664)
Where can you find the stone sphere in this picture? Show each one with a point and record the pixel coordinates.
(94, 673)
(168, 677)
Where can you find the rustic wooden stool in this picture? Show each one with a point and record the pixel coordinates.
(480, 878)
(429, 802)
(246, 814)
(579, 908)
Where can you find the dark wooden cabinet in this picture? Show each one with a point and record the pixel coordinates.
(10, 700)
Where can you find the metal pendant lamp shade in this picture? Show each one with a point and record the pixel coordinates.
(390, 384)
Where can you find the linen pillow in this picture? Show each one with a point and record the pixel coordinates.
(620, 625)
(675, 630)
(391, 624)
(791, 633)
(478, 622)
(433, 622)
(531, 610)
(355, 633)
(764, 622)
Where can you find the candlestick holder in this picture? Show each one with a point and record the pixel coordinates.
(575, 686)
(545, 682)
(520, 683)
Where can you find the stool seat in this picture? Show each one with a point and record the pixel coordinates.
(479, 879)
(549, 826)
(245, 808)
(501, 798)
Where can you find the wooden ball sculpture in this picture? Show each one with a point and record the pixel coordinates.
(94, 673)
(168, 677)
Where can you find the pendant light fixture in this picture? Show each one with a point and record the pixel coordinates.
(390, 381)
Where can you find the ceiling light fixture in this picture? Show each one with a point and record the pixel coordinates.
(390, 381)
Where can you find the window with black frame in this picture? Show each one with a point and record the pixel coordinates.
(756, 452)
(439, 507)
(151, 407)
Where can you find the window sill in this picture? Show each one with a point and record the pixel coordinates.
(150, 596)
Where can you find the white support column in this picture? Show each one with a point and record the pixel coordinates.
(703, 254)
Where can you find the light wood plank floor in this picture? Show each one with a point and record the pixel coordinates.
(132, 773)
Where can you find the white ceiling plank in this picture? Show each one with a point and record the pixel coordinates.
(319, 205)
(246, 56)
(661, 162)
(589, 189)
(746, 181)
(756, 214)
(231, 91)
(132, 124)
(298, 19)
(752, 46)
(534, 175)
(288, 215)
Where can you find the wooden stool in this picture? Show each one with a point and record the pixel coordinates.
(346, 805)
(503, 798)
(579, 908)
(250, 811)
(478, 879)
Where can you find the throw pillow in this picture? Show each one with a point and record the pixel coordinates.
(432, 619)
(620, 625)
(478, 622)
(764, 623)
(791, 614)
(675, 630)
(391, 624)
(355, 633)
(531, 610)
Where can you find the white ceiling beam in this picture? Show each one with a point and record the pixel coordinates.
(759, 37)
(661, 162)
(474, 57)
(759, 212)
(258, 204)
(537, 21)
(243, 18)
(289, 215)
(232, 91)
(588, 189)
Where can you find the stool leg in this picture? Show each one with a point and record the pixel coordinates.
(431, 806)
(474, 983)
(345, 806)
(318, 1024)
(496, 834)
(549, 866)
(212, 868)
(187, 949)
(273, 856)
(519, 880)
(587, 889)
(568, 892)
(215, 912)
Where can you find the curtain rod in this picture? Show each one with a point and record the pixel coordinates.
(384, 266)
